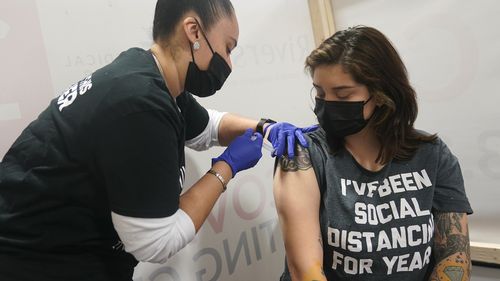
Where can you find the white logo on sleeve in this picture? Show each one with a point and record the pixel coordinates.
(182, 177)
(69, 96)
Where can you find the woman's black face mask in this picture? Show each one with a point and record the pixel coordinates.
(204, 83)
(340, 118)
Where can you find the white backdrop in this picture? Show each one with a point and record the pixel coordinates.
(449, 47)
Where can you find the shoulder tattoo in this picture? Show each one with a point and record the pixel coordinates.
(301, 161)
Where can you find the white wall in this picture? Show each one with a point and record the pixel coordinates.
(450, 48)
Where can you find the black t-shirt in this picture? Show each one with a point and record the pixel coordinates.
(113, 142)
(379, 225)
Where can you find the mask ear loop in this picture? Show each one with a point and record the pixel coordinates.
(368, 100)
(204, 35)
(374, 111)
(313, 100)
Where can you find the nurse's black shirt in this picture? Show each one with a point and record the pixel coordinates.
(113, 142)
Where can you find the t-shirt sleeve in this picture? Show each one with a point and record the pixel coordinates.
(195, 115)
(449, 194)
(138, 159)
(318, 156)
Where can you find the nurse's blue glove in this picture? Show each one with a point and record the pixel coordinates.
(284, 135)
(243, 153)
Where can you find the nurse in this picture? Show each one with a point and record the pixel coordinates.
(93, 184)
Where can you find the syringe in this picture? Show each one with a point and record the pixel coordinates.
(265, 144)
(268, 146)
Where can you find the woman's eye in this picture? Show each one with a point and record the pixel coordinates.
(319, 93)
(343, 95)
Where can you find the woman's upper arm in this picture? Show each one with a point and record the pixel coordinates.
(297, 198)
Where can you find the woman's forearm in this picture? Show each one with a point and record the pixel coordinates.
(451, 247)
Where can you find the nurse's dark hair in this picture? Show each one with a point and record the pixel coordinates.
(169, 13)
(370, 58)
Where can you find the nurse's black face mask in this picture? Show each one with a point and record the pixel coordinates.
(340, 118)
(204, 83)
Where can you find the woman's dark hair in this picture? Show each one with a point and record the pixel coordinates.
(369, 57)
(168, 13)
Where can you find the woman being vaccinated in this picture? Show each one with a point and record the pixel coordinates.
(372, 198)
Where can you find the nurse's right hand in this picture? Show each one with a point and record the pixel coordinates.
(243, 153)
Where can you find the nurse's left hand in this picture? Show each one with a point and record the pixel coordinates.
(284, 135)
(243, 153)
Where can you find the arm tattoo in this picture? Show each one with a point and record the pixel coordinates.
(451, 247)
(302, 161)
(453, 238)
